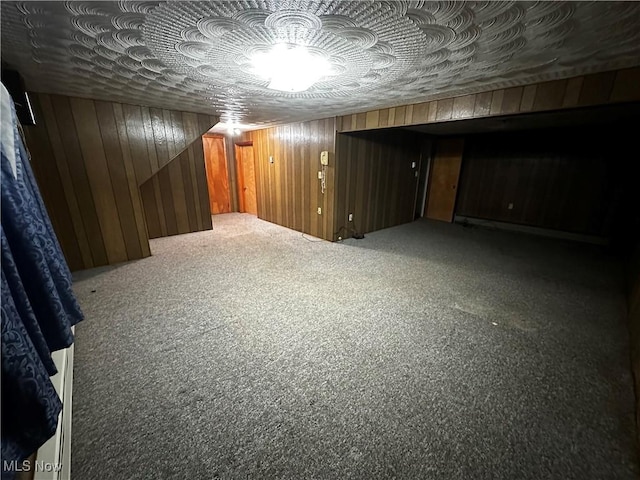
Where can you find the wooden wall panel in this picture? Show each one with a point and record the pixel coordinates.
(375, 180)
(586, 90)
(90, 158)
(288, 190)
(67, 219)
(174, 198)
(552, 178)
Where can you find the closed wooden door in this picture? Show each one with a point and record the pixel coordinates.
(215, 160)
(246, 179)
(443, 179)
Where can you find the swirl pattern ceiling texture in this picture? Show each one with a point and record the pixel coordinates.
(197, 55)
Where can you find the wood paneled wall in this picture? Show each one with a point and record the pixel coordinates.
(89, 158)
(176, 198)
(596, 89)
(553, 179)
(634, 327)
(375, 180)
(289, 190)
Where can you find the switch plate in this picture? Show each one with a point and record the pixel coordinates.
(319, 174)
(270, 158)
(351, 217)
(324, 158)
(510, 207)
(319, 210)
(413, 164)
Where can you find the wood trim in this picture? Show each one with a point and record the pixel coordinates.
(585, 90)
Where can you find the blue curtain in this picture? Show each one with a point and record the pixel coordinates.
(38, 304)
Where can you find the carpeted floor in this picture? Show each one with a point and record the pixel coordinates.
(425, 351)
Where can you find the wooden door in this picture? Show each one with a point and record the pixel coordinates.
(443, 179)
(246, 179)
(215, 160)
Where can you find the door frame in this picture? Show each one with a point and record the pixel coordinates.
(240, 174)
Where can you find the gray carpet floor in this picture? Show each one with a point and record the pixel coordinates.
(425, 351)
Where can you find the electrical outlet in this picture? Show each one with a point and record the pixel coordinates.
(510, 207)
(351, 217)
(319, 210)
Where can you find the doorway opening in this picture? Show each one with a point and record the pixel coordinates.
(231, 178)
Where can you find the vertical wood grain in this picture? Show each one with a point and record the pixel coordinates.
(44, 109)
(119, 180)
(511, 100)
(399, 117)
(79, 178)
(176, 180)
(86, 123)
(152, 155)
(443, 179)
(136, 130)
(595, 89)
(433, 110)
(528, 96)
(482, 105)
(408, 115)
(372, 119)
(625, 87)
(374, 180)
(217, 178)
(151, 210)
(167, 125)
(463, 106)
(497, 97)
(52, 191)
(132, 182)
(195, 188)
(549, 95)
(288, 191)
(383, 119)
(201, 178)
(392, 116)
(159, 205)
(91, 158)
(572, 94)
(420, 113)
(192, 223)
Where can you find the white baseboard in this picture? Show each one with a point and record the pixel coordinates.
(53, 461)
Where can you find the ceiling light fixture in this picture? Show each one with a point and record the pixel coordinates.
(290, 69)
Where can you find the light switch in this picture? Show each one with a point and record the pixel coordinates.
(319, 210)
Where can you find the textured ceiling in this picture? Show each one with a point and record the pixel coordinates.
(196, 55)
